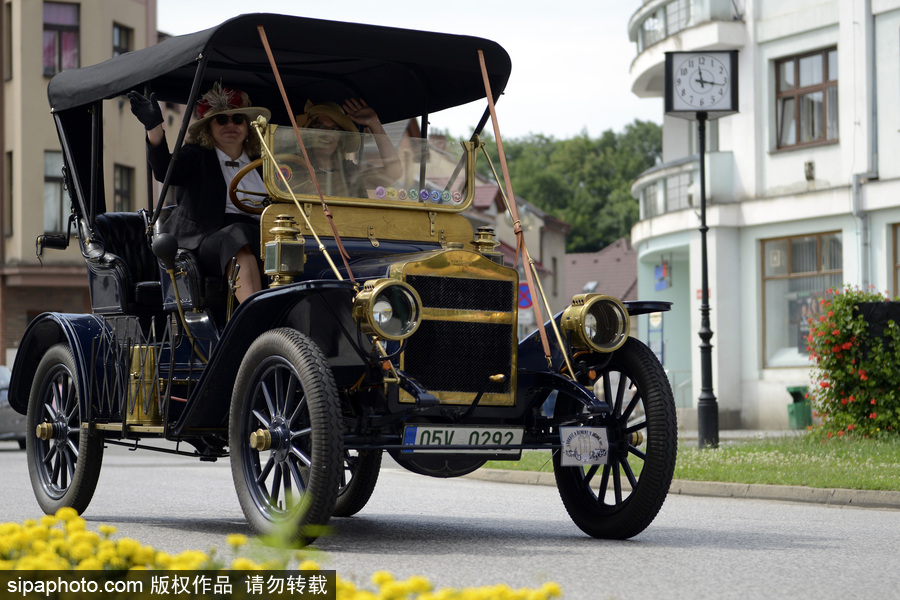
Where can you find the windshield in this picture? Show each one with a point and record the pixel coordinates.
(351, 167)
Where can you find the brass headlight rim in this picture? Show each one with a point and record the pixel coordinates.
(364, 305)
(575, 321)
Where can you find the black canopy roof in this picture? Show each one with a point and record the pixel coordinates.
(401, 73)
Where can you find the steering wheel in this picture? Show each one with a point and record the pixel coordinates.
(256, 207)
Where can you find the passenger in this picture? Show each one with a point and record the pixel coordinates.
(219, 144)
(336, 174)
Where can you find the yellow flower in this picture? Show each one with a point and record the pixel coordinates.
(381, 578)
(309, 565)
(107, 530)
(66, 514)
(48, 521)
(127, 547)
(553, 589)
(91, 563)
(80, 551)
(236, 540)
(244, 564)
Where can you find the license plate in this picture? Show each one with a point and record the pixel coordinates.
(583, 446)
(440, 438)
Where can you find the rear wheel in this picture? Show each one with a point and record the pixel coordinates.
(620, 499)
(358, 479)
(64, 460)
(285, 435)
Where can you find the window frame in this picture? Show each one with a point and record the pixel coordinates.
(57, 180)
(59, 30)
(119, 48)
(767, 279)
(123, 195)
(797, 92)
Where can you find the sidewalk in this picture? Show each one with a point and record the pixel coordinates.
(750, 491)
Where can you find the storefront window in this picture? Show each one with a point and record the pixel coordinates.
(797, 273)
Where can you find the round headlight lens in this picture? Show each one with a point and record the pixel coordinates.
(395, 312)
(382, 312)
(388, 309)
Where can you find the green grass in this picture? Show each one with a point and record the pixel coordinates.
(796, 460)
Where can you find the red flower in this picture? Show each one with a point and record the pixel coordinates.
(836, 332)
(841, 432)
(830, 313)
(822, 319)
(873, 415)
(872, 401)
(851, 427)
(862, 375)
(829, 434)
(824, 384)
(851, 398)
(852, 361)
(843, 401)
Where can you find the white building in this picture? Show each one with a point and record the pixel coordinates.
(802, 187)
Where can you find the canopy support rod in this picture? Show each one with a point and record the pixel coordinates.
(192, 99)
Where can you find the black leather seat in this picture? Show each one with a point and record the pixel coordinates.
(122, 270)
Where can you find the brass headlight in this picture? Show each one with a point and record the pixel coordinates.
(388, 309)
(597, 322)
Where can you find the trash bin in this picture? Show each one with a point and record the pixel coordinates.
(799, 411)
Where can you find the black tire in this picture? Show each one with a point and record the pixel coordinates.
(358, 479)
(285, 386)
(64, 469)
(636, 387)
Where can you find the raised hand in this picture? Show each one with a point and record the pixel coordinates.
(146, 110)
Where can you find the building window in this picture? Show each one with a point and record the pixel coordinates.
(807, 99)
(651, 203)
(121, 39)
(678, 191)
(123, 184)
(896, 229)
(55, 213)
(7, 41)
(8, 194)
(665, 21)
(797, 273)
(60, 37)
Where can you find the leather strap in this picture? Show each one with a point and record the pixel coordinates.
(312, 172)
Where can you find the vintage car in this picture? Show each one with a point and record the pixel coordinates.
(388, 326)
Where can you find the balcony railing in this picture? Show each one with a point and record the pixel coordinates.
(675, 185)
(658, 19)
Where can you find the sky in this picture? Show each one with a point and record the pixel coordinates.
(570, 58)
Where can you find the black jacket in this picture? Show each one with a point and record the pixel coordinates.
(201, 191)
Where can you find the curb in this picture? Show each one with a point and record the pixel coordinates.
(749, 491)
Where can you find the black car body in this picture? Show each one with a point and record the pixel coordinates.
(406, 347)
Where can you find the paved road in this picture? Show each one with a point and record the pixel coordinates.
(466, 532)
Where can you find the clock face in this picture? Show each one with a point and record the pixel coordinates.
(702, 82)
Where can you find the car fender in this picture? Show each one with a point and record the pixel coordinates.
(45, 331)
(261, 312)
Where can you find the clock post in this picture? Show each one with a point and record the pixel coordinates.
(702, 86)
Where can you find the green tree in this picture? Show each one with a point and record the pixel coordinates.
(584, 181)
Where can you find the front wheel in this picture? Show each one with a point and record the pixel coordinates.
(358, 479)
(285, 436)
(64, 459)
(619, 499)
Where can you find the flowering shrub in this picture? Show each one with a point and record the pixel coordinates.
(63, 542)
(854, 375)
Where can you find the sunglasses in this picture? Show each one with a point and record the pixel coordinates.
(236, 119)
